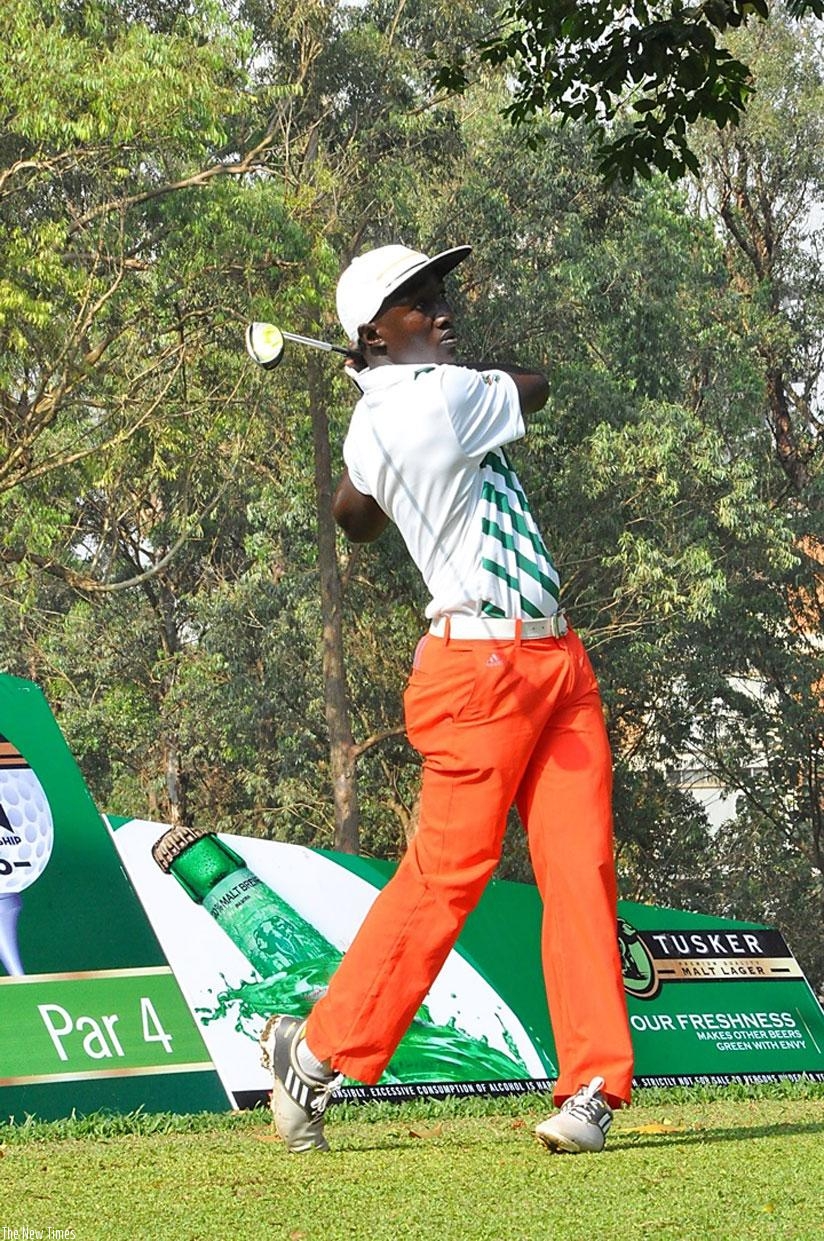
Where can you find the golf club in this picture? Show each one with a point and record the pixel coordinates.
(266, 343)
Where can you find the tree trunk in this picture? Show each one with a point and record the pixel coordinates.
(335, 690)
(176, 776)
(177, 784)
(781, 422)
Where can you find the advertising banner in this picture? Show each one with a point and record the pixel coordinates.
(91, 1014)
(710, 1000)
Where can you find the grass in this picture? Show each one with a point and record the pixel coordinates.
(733, 1164)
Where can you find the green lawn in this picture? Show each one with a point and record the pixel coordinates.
(731, 1164)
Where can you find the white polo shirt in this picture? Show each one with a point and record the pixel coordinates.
(427, 443)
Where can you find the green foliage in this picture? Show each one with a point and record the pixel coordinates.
(93, 77)
(665, 63)
(655, 473)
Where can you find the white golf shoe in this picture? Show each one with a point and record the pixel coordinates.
(582, 1123)
(298, 1100)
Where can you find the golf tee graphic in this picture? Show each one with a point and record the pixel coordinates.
(139, 961)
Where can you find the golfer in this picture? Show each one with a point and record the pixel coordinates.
(502, 703)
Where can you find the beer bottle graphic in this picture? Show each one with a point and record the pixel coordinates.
(295, 961)
(275, 939)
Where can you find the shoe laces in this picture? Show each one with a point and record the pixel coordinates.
(322, 1094)
(588, 1104)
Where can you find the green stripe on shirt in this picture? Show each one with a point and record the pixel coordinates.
(500, 501)
(499, 571)
(528, 566)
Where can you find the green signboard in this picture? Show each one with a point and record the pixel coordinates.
(710, 1000)
(91, 1015)
(713, 1000)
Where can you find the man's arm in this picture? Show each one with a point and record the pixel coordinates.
(533, 388)
(360, 518)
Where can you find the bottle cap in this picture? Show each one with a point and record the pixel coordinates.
(172, 843)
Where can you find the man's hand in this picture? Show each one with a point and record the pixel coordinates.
(355, 361)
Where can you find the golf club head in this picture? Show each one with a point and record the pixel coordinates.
(265, 344)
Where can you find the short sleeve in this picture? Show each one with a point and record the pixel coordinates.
(349, 457)
(484, 408)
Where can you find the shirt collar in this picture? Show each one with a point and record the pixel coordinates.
(380, 377)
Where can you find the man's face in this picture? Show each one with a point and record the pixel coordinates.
(414, 325)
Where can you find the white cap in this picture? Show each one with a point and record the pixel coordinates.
(371, 277)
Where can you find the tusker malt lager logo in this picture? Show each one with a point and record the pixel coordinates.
(637, 965)
(651, 958)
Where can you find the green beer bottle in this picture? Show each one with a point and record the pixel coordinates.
(270, 933)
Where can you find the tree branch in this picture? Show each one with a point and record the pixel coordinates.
(376, 739)
(238, 169)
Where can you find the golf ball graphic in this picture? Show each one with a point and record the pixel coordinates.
(26, 842)
(26, 829)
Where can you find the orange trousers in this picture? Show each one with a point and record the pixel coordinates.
(497, 723)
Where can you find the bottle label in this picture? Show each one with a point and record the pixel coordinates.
(268, 931)
(233, 892)
(239, 904)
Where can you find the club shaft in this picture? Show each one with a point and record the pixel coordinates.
(314, 344)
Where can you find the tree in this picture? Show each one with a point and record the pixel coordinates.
(152, 525)
(175, 588)
(106, 120)
(655, 469)
(363, 77)
(624, 473)
(663, 61)
(128, 134)
(763, 186)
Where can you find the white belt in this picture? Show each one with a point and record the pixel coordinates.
(499, 628)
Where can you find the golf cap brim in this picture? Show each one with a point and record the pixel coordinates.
(374, 276)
